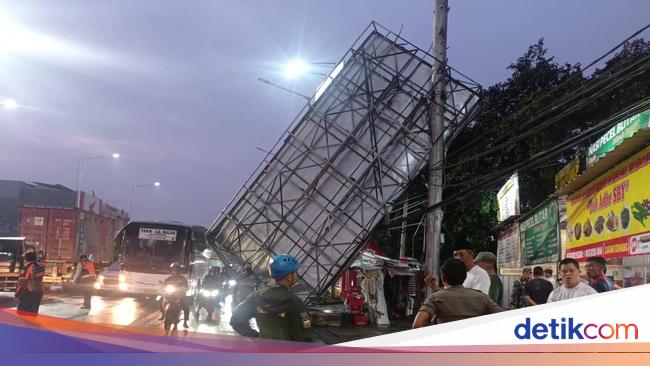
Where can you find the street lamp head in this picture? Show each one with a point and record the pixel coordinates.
(157, 184)
(295, 68)
(115, 156)
(9, 104)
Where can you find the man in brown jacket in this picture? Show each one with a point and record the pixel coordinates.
(453, 302)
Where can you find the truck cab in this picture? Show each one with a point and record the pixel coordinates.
(11, 260)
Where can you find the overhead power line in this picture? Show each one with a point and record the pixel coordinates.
(475, 146)
(568, 105)
(498, 177)
(616, 47)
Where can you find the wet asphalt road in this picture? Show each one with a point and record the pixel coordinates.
(117, 310)
(145, 312)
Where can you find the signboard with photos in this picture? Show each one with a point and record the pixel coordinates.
(610, 217)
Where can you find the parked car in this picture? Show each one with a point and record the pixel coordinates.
(108, 280)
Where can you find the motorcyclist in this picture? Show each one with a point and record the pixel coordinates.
(180, 283)
(279, 313)
(212, 281)
(247, 282)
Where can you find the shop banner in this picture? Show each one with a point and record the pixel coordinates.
(540, 234)
(508, 247)
(616, 135)
(610, 217)
(568, 173)
(508, 198)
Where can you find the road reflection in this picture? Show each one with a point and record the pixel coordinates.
(227, 310)
(97, 305)
(223, 326)
(133, 311)
(227, 314)
(124, 312)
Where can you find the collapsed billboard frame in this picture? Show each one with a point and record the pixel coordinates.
(353, 149)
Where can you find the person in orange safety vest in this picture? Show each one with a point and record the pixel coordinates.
(29, 291)
(85, 277)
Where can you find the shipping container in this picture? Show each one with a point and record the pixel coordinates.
(52, 230)
(96, 234)
(64, 234)
(32, 225)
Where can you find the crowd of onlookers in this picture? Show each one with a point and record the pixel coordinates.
(472, 287)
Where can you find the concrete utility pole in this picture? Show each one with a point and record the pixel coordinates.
(436, 125)
(402, 238)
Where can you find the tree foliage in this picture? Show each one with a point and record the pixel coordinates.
(536, 83)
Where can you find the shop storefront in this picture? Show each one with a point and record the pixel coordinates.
(382, 289)
(391, 287)
(528, 241)
(608, 205)
(610, 217)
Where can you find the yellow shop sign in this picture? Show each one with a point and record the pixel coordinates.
(610, 217)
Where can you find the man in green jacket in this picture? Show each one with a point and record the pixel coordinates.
(488, 261)
(279, 313)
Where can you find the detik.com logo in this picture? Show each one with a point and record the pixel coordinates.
(569, 328)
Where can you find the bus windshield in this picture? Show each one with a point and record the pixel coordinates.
(153, 246)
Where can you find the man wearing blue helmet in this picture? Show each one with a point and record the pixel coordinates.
(279, 313)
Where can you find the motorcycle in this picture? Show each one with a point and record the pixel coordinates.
(229, 287)
(209, 300)
(172, 306)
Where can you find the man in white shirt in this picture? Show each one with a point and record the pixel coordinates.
(548, 275)
(477, 277)
(571, 285)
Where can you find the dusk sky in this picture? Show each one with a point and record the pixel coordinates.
(172, 85)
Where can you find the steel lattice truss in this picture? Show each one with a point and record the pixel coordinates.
(331, 177)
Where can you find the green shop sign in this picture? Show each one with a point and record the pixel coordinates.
(540, 234)
(616, 135)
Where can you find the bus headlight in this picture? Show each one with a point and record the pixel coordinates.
(232, 283)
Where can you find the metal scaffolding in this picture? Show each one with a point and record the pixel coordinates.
(331, 177)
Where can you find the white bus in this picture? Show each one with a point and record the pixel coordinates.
(147, 248)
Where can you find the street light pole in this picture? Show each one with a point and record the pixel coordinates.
(295, 68)
(80, 166)
(436, 126)
(80, 163)
(154, 184)
(265, 81)
(131, 204)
